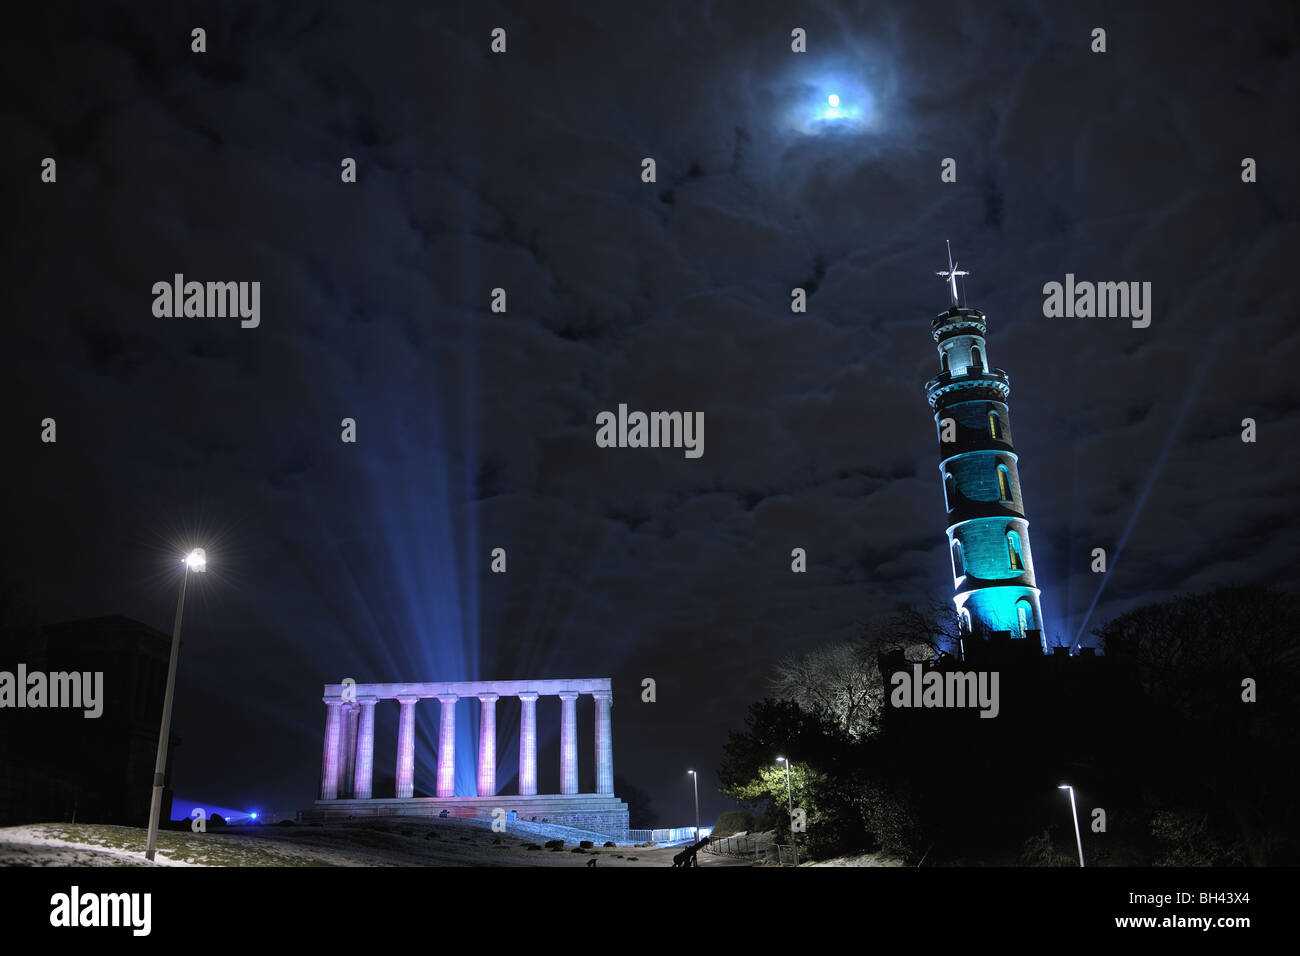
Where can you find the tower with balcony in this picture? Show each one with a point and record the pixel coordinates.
(987, 524)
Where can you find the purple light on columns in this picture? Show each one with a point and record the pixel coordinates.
(487, 745)
(329, 777)
(406, 748)
(351, 714)
(604, 742)
(447, 745)
(363, 779)
(528, 743)
(568, 741)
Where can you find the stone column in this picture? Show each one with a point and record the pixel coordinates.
(447, 745)
(487, 745)
(568, 741)
(329, 775)
(406, 748)
(351, 715)
(528, 743)
(604, 742)
(363, 778)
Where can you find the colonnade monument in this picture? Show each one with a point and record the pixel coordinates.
(347, 765)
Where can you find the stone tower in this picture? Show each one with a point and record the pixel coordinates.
(988, 531)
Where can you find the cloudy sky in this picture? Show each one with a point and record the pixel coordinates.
(475, 429)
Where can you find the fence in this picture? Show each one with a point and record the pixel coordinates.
(670, 835)
(760, 851)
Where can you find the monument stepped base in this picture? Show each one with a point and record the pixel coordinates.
(602, 813)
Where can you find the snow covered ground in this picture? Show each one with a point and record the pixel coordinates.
(400, 841)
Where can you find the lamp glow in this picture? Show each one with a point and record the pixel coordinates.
(833, 100)
(197, 560)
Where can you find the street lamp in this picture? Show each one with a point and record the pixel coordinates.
(789, 796)
(1074, 812)
(695, 781)
(197, 561)
(788, 793)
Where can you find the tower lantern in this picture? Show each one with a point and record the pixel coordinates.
(987, 526)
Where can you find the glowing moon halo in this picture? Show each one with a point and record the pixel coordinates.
(849, 109)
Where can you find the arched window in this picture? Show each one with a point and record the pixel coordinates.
(1025, 617)
(949, 490)
(976, 358)
(1004, 483)
(958, 564)
(995, 426)
(963, 620)
(1014, 554)
(943, 361)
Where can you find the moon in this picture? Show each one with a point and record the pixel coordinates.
(830, 103)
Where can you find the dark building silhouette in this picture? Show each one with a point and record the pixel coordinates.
(56, 764)
(992, 780)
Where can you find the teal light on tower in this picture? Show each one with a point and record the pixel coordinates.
(988, 530)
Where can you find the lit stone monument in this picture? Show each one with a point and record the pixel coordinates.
(987, 522)
(347, 764)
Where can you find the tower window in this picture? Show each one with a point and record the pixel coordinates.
(1013, 552)
(1024, 617)
(1004, 483)
(976, 358)
(958, 564)
(949, 490)
(995, 426)
(943, 361)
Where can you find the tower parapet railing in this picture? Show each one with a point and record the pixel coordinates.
(971, 372)
(995, 383)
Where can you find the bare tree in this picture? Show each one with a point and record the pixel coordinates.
(923, 633)
(843, 681)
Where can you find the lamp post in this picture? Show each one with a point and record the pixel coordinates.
(197, 561)
(1074, 812)
(789, 795)
(695, 782)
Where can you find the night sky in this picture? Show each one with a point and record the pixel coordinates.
(476, 430)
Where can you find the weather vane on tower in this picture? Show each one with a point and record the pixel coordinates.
(952, 274)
